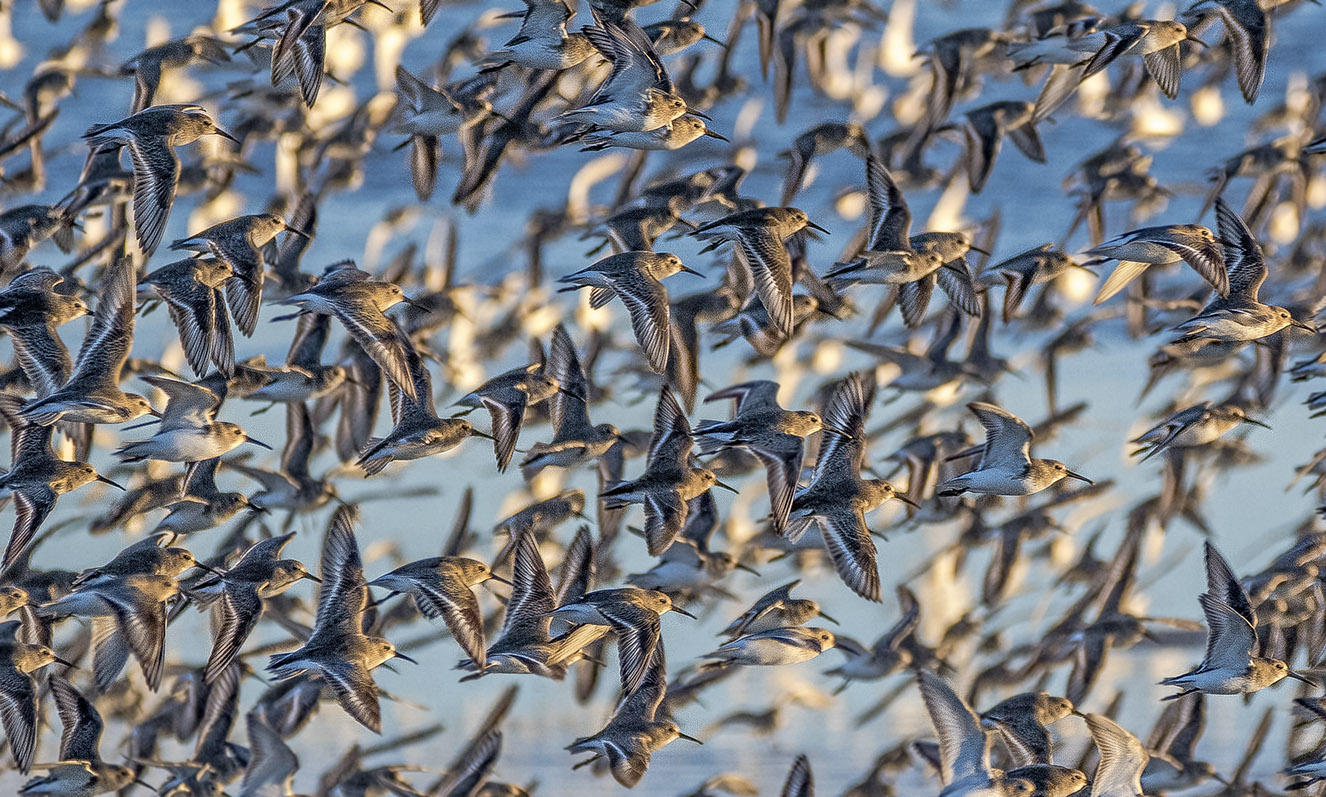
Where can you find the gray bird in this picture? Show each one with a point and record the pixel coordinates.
(36, 477)
(151, 136)
(669, 480)
(634, 278)
(237, 595)
(338, 651)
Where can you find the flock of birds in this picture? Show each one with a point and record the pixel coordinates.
(96, 640)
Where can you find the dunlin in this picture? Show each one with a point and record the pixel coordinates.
(669, 480)
(633, 615)
(1239, 316)
(1247, 30)
(442, 587)
(238, 243)
(838, 498)
(506, 397)
(575, 441)
(1230, 666)
(637, 728)
(358, 301)
(523, 646)
(542, 41)
(338, 650)
(964, 748)
(18, 661)
(636, 279)
(1159, 246)
(638, 95)
(129, 616)
(189, 430)
(80, 770)
(914, 263)
(1006, 466)
(773, 434)
(93, 394)
(236, 596)
(191, 290)
(151, 136)
(36, 477)
(775, 609)
(759, 236)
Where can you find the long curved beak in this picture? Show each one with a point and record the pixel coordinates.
(906, 500)
(747, 568)
(499, 579)
(1078, 476)
(258, 443)
(718, 136)
(311, 577)
(400, 655)
(224, 134)
(1302, 325)
(302, 234)
(153, 413)
(700, 114)
(690, 270)
(484, 435)
(104, 480)
(830, 619)
(1297, 676)
(727, 487)
(64, 662)
(1256, 422)
(681, 735)
(1195, 40)
(683, 612)
(979, 249)
(815, 226)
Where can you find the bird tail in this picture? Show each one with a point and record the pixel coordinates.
(844, 269)
(278, 664)
(610, 496)
(372, 459)
(131, 452)
(952, 487)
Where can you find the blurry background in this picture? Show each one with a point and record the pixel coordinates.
(876, 82)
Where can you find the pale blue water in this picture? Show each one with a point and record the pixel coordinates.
(1251, 515)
